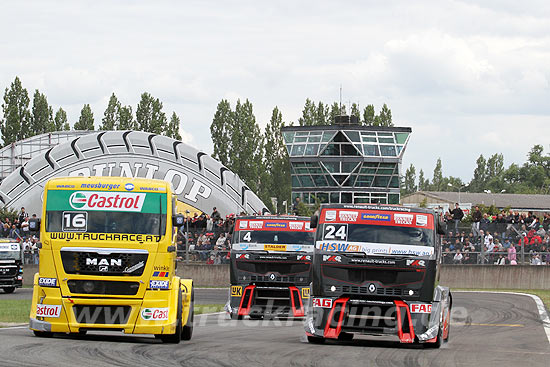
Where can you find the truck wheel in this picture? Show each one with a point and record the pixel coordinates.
(438, 340)
(9, 289)
(316, 339)
(256, 316)
(42, 334)
(176, 337)
(187, 330)
(345, 337)
(236, 316)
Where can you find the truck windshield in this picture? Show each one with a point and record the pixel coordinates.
(9, 251)
(106, 212)
(282, 237)
(367, 233)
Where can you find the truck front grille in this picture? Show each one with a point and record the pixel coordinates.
(103, 287)
(90, 262)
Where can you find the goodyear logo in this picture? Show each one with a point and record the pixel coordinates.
(275, 225)
(305, 292)
(236, 291)
(380, 217)
(275, 247)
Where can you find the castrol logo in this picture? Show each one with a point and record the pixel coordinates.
(153, 314)
(48, 310)
(107, 201)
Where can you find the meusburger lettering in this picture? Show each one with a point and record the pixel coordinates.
(192, 189)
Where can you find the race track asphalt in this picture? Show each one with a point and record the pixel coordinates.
(487, 330)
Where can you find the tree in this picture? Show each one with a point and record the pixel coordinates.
(354, 111)
(173, 129)
(477, 184)
(423, 183)
(86, 120)
(321, 117)
(245, 154)
(220, 129)
(60, 120)
(126, 119)
(149, 115)
(384, 117)
(409, 181)
(368, 115)
(42, 115)
(111, 114)
(495, 166)
(15, 123)
(276, 168)
(437, 181)
(335, 110)
(309, 114)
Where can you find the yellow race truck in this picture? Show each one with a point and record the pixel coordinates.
(108, 260)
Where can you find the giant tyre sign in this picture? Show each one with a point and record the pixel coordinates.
(199, 181)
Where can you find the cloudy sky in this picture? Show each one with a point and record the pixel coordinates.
(469, 77)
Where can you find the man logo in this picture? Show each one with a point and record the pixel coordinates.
(78, 200)
(372, 288)
(129, 186)
(236, 291)
(103, 268)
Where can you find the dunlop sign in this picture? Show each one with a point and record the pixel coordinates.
(199, 181)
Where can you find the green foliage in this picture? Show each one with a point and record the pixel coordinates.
(86, 120)
(368, 115)
(309, 114)
(409, 181)
(304, 210)
(173, 130)
(9, 213)
(149, 115)
(354, 111)
(42, 115)
(15, 123)
(423, 183)
(60, 120)
(275, 176)
(437, 180)
(424, 203)
(126, 119)
(111, 114)
(322, 114)
(219, 131)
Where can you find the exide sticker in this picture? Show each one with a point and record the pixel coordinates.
(159, 284)
(153, 314)
(322, 302)
(48, 310)
(403, 219)
(348, 216)
(421, 308)
(47, 282)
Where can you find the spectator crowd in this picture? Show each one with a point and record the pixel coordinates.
(506, 238)
(26, 231)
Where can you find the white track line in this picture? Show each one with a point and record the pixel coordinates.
(14, 327)
(540, 306)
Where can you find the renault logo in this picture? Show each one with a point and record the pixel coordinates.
(372, 288)
(272, 277)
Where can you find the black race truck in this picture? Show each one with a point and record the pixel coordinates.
(11, 266)
(376, 272)
(270, 266)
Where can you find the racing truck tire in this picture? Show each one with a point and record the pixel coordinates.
(187, 329)
(9, 290)
(256, 317)
(236, 316)
(176, 337)
(438, 340)
(42, 334)
(315, 339)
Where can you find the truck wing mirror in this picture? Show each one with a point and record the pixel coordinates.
(314, 220)
(178, 220)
